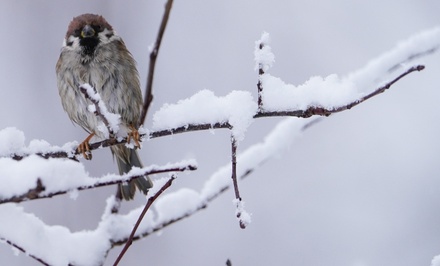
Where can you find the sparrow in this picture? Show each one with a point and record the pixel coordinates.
(93, 53)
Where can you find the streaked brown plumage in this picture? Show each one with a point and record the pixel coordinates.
(93, 53)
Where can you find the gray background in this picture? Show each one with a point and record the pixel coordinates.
(360, 188)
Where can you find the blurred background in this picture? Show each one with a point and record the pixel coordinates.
(360, 188)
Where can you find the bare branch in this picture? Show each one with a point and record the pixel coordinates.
(234, 167)
(153, 56)
(38, 191)
(238, 200)
(141, 216)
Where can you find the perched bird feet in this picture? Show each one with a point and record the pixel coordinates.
(84, 147)
(134, 134)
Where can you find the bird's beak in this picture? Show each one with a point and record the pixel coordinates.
(87, 31)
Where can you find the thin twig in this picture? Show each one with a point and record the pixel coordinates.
(153, 56)
(141, 216)
(234, 167)
(25, 252)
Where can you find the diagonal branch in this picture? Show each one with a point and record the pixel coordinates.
(24, 251)
(141, 216)
(153, 56)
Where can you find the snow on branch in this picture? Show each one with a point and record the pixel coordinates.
(33, 177)
(236, 110)
(327, 95)
(114, 228)
(317, 96)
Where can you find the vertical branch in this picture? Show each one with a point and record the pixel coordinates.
(242, 216)
(234, 168)
(259, 84)
(153, 56)
(141, 216)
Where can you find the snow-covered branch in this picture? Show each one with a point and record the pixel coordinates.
(34, 177)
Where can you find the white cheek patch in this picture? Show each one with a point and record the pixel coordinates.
(107, 36)
(71, 42)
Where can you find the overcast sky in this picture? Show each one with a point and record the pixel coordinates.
(360, 188)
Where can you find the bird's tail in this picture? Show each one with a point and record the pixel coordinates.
(126, 159)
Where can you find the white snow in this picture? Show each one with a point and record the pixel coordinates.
(237, 108)
(12, 140)
(242, 215)
(264, 58)
(56, 245)
(436, 261)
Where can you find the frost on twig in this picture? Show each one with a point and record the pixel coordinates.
(264, 59)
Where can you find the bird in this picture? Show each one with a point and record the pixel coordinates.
(93, 53)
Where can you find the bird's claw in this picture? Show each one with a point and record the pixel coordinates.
(134, 134)
(84, 148)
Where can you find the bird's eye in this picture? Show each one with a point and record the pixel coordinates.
(77, 32)
(98, 28)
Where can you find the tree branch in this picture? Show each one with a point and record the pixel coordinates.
(24, 251)
(311, 111)
(141, 216)
(39, 191)
(238, 201)
(153, 56)
(316, 110)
